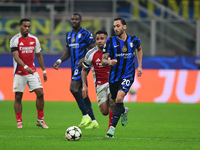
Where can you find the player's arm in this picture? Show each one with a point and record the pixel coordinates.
(106, 61)
(80, 62)
(139, 54)
(84, 81)
(41, 63)
(20, 62)
(64, 57)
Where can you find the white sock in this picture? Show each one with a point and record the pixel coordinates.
(94, 121)
(86, 116)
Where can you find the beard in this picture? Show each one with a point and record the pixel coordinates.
(120, 33)
(76, 26)
(25, 34)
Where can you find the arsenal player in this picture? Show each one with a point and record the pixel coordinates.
(23, 47)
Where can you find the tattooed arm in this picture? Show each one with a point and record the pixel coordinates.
(106, 61)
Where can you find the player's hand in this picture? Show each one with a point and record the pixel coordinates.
(56, 65)
(29, 70)
(84, 91)
(45, 77)
(112, 62)
(139, 70)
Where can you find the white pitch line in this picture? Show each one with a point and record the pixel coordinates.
(157, 139)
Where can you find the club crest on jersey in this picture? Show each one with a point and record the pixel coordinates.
(124, 49)
(73, 40)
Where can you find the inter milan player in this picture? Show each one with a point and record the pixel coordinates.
(121, 49)
(78, 40)
(100, 74)
(24, 46)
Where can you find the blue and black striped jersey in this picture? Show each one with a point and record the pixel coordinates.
(124, 52)
(78, 44)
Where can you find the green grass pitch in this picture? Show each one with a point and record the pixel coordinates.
(150, 126)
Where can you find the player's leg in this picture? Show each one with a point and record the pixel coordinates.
(104, 108)
(118, 110)
(89, 105)
(40, 108)
(35, 85)
(18, 109)
(19, 85)
(74, 88)
(111, 107)
(90, 112)
(125, 88)
(114, 90)
(110, 119)
(103, 98)
(119, 107)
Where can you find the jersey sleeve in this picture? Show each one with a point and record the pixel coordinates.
(88, 58)
(137, 41)
(37, 46)
(67, 40)
(13, 44)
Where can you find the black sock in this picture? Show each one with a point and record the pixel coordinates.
(119, 107)
(89, 108)
(81, 104)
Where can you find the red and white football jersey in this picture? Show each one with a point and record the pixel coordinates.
(93, 58)
(27, 47)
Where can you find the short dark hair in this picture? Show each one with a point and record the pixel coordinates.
(101, 32)
(23, 20)
(122, 20)
(78, 15)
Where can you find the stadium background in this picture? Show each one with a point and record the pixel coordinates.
(169, 31)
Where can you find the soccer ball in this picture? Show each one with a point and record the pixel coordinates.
(73, 133)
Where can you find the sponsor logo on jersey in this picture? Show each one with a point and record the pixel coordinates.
(26, 49)
(125, 55)
(75, 45)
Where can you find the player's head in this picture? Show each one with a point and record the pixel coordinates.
(100, 38)
(24, 26)
(119, 26)
(76, 20)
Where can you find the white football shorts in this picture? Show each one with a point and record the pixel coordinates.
(32, 80)
(102, 93)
